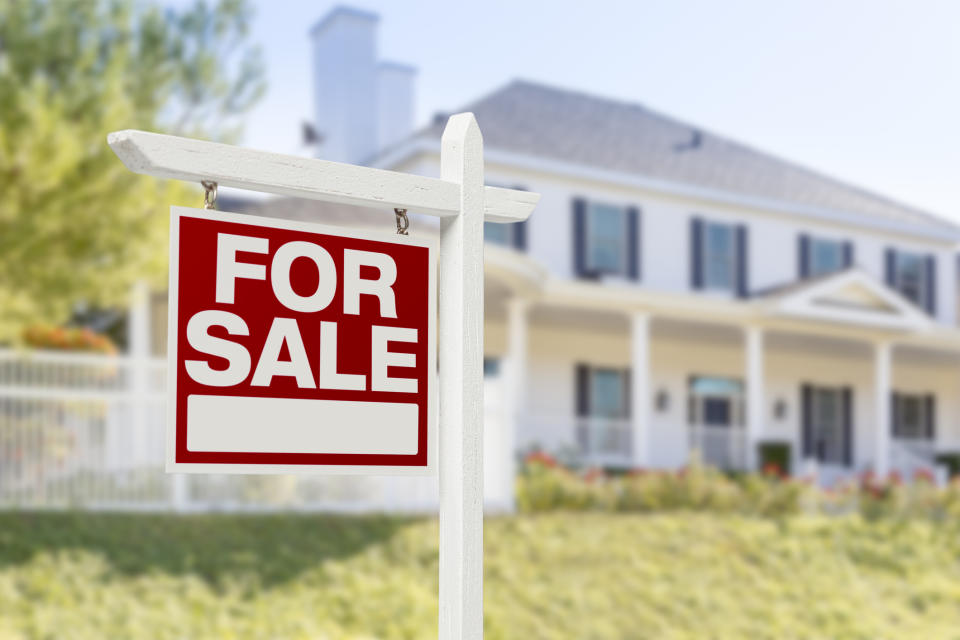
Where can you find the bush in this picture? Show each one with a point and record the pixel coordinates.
(545, 485)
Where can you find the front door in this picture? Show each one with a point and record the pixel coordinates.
(827, 425)
(716, 421)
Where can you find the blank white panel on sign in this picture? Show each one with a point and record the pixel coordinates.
(271, 425)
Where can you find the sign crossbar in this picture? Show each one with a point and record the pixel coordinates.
(192, 160)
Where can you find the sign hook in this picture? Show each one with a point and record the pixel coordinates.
(209, 194)
(403, 222)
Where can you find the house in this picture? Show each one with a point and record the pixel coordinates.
(677, 291)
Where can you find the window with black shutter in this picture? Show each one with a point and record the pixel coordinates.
(606, 239)
(719, 256)
(821, 256)
(914, 275)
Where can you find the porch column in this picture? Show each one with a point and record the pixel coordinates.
(881, 390)
(755, 393)
(515, 391)
(640, 388)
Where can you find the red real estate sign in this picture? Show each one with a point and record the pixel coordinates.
(299, 347)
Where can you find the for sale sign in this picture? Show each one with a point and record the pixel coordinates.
(298, 347)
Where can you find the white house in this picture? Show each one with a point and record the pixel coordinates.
(676, 290)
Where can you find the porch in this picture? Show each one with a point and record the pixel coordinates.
(841, 376)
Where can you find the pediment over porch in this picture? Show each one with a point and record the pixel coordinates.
(851, 297)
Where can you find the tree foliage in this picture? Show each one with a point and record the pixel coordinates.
(76, 227)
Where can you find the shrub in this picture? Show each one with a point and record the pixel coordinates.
(545, 485)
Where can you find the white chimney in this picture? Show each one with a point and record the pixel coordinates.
(362, 105)
(395, 90)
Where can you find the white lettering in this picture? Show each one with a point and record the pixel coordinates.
(382, 358)
(199, 338)
(228, 269)
(354, 286)
(283, 330)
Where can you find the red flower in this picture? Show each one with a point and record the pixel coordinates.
(895, 478)
(772, 470)
(593, 474)
(923, 475)
(540, 457)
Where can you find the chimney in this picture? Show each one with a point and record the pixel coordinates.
(395, 90)
(361, 104)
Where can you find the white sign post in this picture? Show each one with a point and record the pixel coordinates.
(463, 203)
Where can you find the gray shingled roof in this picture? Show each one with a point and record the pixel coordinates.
(553, 123)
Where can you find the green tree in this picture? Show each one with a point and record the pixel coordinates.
(75, 225)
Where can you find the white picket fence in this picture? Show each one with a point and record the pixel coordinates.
(87, 431)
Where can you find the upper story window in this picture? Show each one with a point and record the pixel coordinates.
(820, 256)
(606, 239)
(719, 261)
(506, 234)
(719, 256)
(826, 256)
(914, 276)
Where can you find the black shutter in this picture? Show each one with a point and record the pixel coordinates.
(894, 414)
(583, 390)
(806, 404)
(696, 253)
(891, 262)
(847, 426)
(931, 301)
(520, 229)
(930, 412)
(743, 262)
(847, 254)
(633, 243)
(803, 256)
(580, 237)
(520, 235)
(627, 392)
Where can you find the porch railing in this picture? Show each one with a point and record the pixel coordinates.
(586, 441)
(721, 447)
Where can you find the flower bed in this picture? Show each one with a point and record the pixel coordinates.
(546, 485)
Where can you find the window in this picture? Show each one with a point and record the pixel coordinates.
(491, 367)
(719, 256)
(909, 276)
(716, 402)
(608, 393)
(912, 416)
(606, 239)
(506, 235)
(826, 256)
(498, 233)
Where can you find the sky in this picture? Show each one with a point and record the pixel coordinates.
(868, 92)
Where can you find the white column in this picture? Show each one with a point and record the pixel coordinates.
(881, 390)
(755, 393)
(515, 392)
(640, 387)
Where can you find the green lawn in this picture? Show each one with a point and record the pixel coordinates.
(549, 576)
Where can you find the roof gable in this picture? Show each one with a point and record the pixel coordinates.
(849, 297)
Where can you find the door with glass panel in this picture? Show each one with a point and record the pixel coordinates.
(604, 429)
(716, 421)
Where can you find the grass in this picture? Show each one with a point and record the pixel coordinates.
(558, 575)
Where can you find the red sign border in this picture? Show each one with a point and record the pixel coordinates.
(298, 468)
